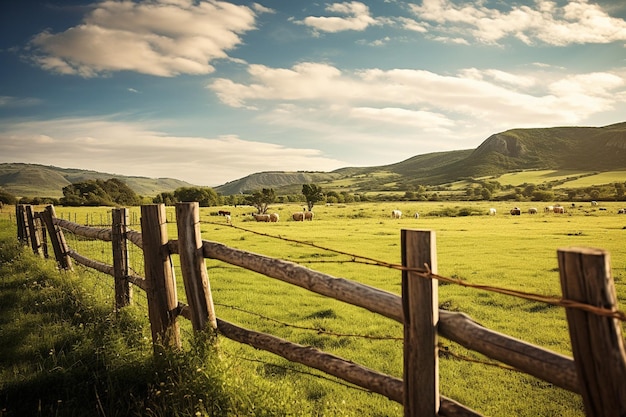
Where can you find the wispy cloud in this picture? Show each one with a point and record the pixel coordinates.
(576, 22)
(9, 101)
(488, 94)
(162, 38)
(133, 149)
(352, 16)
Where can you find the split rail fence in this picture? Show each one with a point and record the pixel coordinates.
(597, 370)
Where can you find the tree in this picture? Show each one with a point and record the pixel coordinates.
(262, 199)
(205, 196)
(99, 193)
(86, 193)
(120, 193)
(167, 198)
(313, 194)
(7, 198)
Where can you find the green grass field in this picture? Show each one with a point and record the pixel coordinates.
(516, 252)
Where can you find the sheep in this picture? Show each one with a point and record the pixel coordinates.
(261, 217)
(299, 216)
(532, 210)
(416, 215)
(516, 211)
(274, 217)
(308, 215)
(492, 211)
(396, 214)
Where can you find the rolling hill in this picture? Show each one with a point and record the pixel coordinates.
(560, 148)
(32, 180)
(588, 149)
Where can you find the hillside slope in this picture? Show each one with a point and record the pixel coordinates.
(32, 180)
(559, 148)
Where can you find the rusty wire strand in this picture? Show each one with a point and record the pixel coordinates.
(428, 274)
(314, 329)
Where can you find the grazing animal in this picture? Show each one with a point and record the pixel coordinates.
(308, 215)
(594, 203)
(492, 211)
(223, 213)
(621, 211)
(559, 209)
(261, 217)
(396, 214)
(416, 215)
(299, 216)
(548, 209)
(228, 220)
(274, 217)
(516, 211)
(532, 210)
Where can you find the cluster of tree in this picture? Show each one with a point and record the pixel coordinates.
(7, 198)
(205, 196)
(115, 192)
(99, 193)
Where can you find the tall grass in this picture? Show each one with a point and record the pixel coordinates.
(63, 352)
(517, 252)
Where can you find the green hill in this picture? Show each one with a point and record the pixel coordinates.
(596, 149)
(32, 180)
(572, 149)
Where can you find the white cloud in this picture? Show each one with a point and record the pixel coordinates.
(490, 96)
(354, 16)
(161, 37)
(9, 101)
(133, 149)
(576, 22)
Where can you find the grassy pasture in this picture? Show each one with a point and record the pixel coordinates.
(596, 179)
(517, 252)
(539, 177)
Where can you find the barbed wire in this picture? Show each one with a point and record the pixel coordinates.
(288, 368)
(426, 273)
(314, 329)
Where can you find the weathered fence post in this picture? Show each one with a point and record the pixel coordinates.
(57, 238)
(162, 297)
(35, 241)
(20, 217)
(421, 316)
(41, 228)
(597, 341)
(123, 290)
(193, 267)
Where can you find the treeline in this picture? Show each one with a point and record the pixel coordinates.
(114, 192)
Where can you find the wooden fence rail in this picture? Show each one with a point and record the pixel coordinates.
(596, 372)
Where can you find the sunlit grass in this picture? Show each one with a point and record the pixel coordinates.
(517, 252)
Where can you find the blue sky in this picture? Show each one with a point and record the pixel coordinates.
(211, 91)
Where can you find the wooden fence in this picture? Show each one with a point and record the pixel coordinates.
(597, 370)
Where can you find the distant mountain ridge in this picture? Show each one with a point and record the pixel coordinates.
(557, 148)
(33, 180)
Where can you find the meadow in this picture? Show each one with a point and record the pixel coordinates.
(513, 252)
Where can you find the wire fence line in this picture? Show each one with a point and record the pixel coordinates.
(426, 273)
(588, 297)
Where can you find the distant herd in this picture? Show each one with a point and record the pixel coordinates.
(397, 214)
